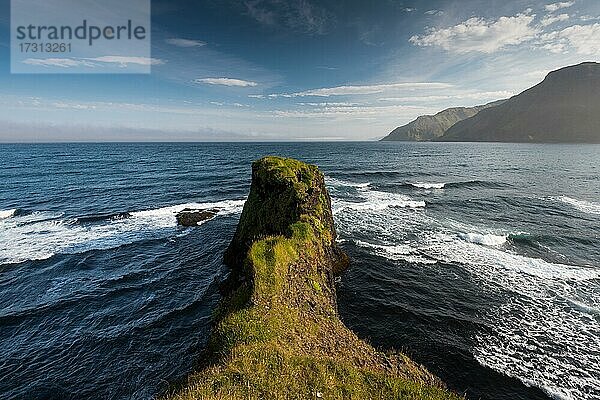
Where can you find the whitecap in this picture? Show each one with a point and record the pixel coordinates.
(341, 183)
(399, 252)
(582, 307)
(425, 185)
(484, 239)
(4, 214)
(374, 200)
(533, 311)
(41, 235)
(588, 207)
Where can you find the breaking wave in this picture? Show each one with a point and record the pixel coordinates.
(541, 292)
(39, 235)
(4, 214)
(484, 239)
(588, 207)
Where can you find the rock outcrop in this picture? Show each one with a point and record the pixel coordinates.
(277, 333)
(189, 217)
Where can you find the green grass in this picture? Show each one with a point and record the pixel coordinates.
(278, 335)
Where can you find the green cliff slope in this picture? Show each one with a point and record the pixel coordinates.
(277, 334)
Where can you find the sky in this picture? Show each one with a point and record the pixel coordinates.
(228, 70)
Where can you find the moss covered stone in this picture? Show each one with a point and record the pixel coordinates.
(277, 334)
(286, 197)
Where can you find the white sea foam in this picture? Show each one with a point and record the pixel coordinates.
(588, 207)
(534, 321)
(537, 316)
(484, 239)
(375, 200)
(41, 235)
(578, 305)
(425, 185)
(400, 252)
(341, 183)
(7, 213)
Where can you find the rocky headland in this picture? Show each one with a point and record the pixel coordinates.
(277, 333)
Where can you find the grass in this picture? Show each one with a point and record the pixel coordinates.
(278, 335)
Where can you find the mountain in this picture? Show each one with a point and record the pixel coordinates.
(429, 127)
(563, 108)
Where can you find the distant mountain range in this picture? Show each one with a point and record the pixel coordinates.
(431, 127)
(564, 107)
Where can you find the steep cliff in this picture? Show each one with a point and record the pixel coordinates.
(277, 334)
(430, 127)
(563, 108)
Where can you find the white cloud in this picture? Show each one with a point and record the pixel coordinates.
(586, 18)
(434, 12)
(480, 35)
(124, 61)
(583, 39)
(550, 19)
(500, 94)
(179, 42)
(91, 62)
(58, 62)
(560, 5)
(410, 9)
(226, 82)
(330, 104)
(74, 106)
(354, 112)
(364, 89)
(221, 104)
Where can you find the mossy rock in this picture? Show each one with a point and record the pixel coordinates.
(277, 333)
(284, 192)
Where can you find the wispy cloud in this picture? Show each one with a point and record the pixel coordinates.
(434, 12)
(558, 6)
(583, 39)
(480, 35)
(586, 18)
(124, 61)
(550, 19)
(363, 89)
(92, 62)
(354, 112)
(58, 62)
(223, 104)
(226, 82)
(491, 95)
(74, 106)
(179, 42)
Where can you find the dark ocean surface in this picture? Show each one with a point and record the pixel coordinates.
(480, 261)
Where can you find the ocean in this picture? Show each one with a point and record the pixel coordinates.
(480, 261)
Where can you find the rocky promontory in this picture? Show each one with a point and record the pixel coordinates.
(277, 333)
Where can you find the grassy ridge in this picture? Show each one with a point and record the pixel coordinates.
(277, 334)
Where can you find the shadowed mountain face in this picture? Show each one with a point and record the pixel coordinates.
(565, 107)
(430, 127)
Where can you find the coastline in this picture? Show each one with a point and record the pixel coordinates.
(278, 332)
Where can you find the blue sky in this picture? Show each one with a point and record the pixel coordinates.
(302, 69)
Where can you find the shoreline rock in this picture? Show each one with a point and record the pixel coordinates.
(189, 217)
